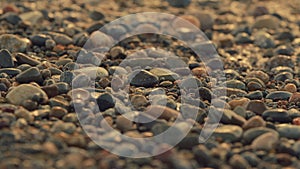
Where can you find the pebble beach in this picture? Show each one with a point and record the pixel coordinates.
(64, 105)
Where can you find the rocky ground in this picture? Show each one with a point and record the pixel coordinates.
(46, 101)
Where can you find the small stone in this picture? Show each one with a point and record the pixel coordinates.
(200, 72)
(105, 101)
(260, 10)
(81, 94)
(280, 69)
(290, 87)
(279, 95)
(284, 50)
(23, 113)
(138, 101)
(13, 43)
(260, 75)
(265, 141)
(30, 75)
(252, 133)
(143, 78)
(123, 124)
(23, 92)
(255, 95)
(289, 131)
(235, 84)
(206, 20)
(93, 72)
(58, 112)
(230, 117)
(280, 60)
(164, 74)
(39, 39)
(295, 97)
(33, 17)
(266, 21)
(96, 15)
(283, 76)
(61, 39)
(264, 40)
(162, 112)
(253, 86)
(179, 3)
(276, 115)
(257, 106)
(6, 59)
(253, 122)
(81, 81)
(238, 102)
(243, 38)
(189, 18)
(228, 133)
(239, 162)
(24, 59)
(50, 44)
(67, 77)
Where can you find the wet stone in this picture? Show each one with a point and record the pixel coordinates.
(30, 75)
(276, 115)
(228, 133)
(279, 95)
(6, 59)
(143, 78)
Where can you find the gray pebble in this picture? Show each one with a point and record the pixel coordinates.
(14, 43)
(279, 95)
(30, 75)
(276, 115)
(143, 78)
(230, 133)
(289, 131)
(6, 59)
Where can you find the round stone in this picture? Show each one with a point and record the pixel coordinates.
(266, 21)
(229, 133)
(58, 112)
(290, 87)
(253, 122)
(105, 101)
(276, 115)
(143, 78)
(265, 141)
(289, 131)
(23, 92)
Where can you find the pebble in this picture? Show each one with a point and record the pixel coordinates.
(230, 117)
(143, 78)
(255, 95)
(24, 59)
(164, 74)
(58, 112)
(6, 59)
(235, 84)
(228, 133)
(23, 92)
(260, 75)
(265, 141)
(280, 69)
(289, 131)
(81, 81)
(189, 18)
(162, 112)
(280, 60)
(190, 83)
(30, 75)
(290, 87)
(252, 133)
(266, 21)
(39, 39)
(179, 3)
(276, 115)
(123, 124)
(242, 38)
(96, 15)
(14, 43)
(33, 17)
(253, 122)
(283, 76)
(61, 39)
(239, 162)
(11, 18)
(206, 20)
(138, 101)
(105, 101)
(295, 97)
(238, 102)
(93, 72)
(279, 95)
(284, 50)
(264, 40)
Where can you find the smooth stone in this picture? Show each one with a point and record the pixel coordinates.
(143, 78)
(66, 127)
(24, 59)
(39, 39)
(137, 62)
(230, 117)
(179, 3)
(235, 84)
(11, 18)
(251, 134)
(117, 70)
(60, 38)
(284, 50)
(280, 69)
(6, 59)
(190, 83)
(294, 113)
(96, 15)
(126, 149)
(93, 72)
(205, 93)
(138, 101)
(164, 74)
(289, 131)
(242, 38)
(255, 95)
(10, 71)
(260, 75)
(239, 162)
(228, 133)
(253, 86)
(280, 60)
(276, 115)
(290, 87)
(58, 112)
(14, 43)
(23, 92)
(265, 142)
(241, 111)
(279, 95)
(33, 17)
(253, 122)
(283, 76)
(238, 102)
(51, 90)
(162, 112)
(81, 81)
(30, 75)
(67, 77)
(59, 101)
(295, 97)
(257, 106)
(206, 20)
(105, 101)
(222, 91)
(266, 21)
(123, 124)
(264, 40)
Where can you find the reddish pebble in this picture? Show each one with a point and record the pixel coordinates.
(10, 8)
(295, 97)
(290, 87)
(296, 121)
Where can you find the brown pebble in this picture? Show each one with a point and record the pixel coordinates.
(260, 75)
(189, 18)
(50, 148)
(138, 101)
(290, 87)
(58, 112)
(162, 112)
(295, 97)
(253, 122)
(265, 141)
(51, 90)
(238, 102)
(257, 106)
(107, 123)
(123, 124)
(200, 72)
(253, 86)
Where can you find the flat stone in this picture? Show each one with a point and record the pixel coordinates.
(257, 106)
(6, 59)
(24, 59)
(33, 17)
(23, 92)
(280, 60)
(230, 117)
(39, 39)
(265, 141)
(30, 75)
(10, 71)
(266, 21)
(162, 112)
(295, 97)
(260, 75)
(289, 131)
(238, 102)
(14, 43)
(276, 115)
(253, 122)
(143, 78)
(235, 84)
(164, 74)
(279, 95)
(60, 38)
(228, 133)
(253, 133)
